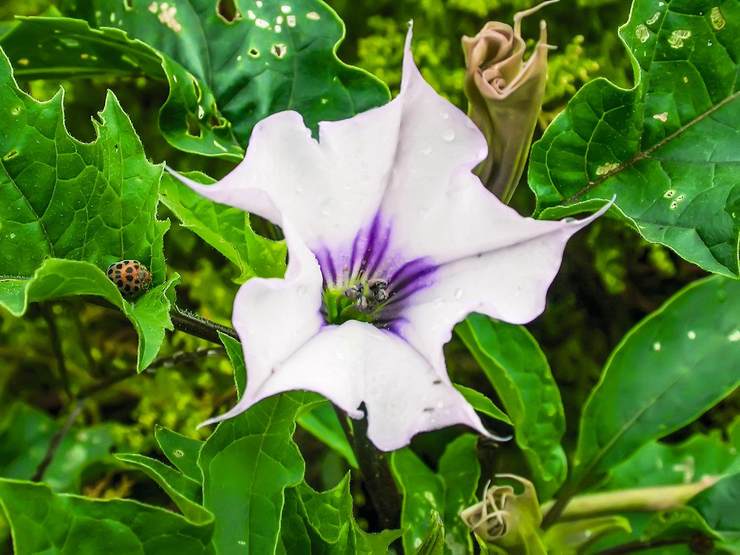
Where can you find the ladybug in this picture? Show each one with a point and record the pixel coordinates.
(130, 276)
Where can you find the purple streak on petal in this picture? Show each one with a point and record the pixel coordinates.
(410, 272)
(326, 263)
(370, 245)
(353, 255)
(379, 251)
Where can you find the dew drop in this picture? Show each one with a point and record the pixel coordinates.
(458, 293)
(426, 151)
(444, 115)
(313, 16)
(179, 453)
(285, 8)
(449, 135)
(656, 346)
(691, 334)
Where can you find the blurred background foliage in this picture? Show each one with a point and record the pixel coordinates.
(610, 278)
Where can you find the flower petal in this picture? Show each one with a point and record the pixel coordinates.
(355, 363)
(275, 317)
(328, 188)
(507, 282)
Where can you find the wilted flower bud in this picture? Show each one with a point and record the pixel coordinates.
(504, 97)
(506, 519)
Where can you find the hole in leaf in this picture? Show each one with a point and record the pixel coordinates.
(227, 10)
(10, 155)
(214, 119)
(128, 5)
(194, 129)
(253, 52)
(279, 50)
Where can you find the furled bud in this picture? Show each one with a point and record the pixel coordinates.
(506, 519)
(505, 97)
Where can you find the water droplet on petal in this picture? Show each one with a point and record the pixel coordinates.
(426, 151)
(458, 293)
(449, 135)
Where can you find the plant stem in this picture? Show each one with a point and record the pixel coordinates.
(56, 346)
(651, 499)
(56, 441)
(191, 323)
(632, 547)
(376, 472)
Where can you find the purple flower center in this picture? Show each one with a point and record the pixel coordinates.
(370, 280)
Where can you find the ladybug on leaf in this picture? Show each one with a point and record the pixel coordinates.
(131, 277)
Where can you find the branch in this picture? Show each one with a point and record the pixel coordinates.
(56, 346)
(56, 441)
(196, 325)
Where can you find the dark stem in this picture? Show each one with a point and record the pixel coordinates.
(56, 346)
(56, 441)
(376, 473)
(198, 326)
(187, 322)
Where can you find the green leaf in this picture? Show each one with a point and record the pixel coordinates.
(423, 492)
(294, 536)
(185, 493)
(248, 462)
(59, 47)
(225, 228)
(570, 538)
(323, 423)
(518, 370)
(482, 404)
(666, 148)
(460, 471)
(45, 522)
(181, 451)
(434, 543)
(69, 209)
(272, 57)
(718, 505)
(657, 464)
(236, 357)
(691, 351)
(25, 435)
(333, 528)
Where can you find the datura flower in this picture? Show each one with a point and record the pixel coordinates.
(505, 97)
(391, 241)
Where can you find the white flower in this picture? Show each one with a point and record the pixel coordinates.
(392, 240)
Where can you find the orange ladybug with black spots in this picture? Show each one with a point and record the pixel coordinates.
(131, 277)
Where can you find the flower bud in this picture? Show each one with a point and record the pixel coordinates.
(505, 97)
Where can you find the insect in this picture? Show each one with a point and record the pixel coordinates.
(130, 276)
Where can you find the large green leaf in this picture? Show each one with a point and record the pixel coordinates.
(45, 522)
(668, 370)
(247, 463)
(225, 228)
(273, 56)
(25, 436)
(69, 209)
(181, 451)
(445, 493)
(719, 507)
(668, 148)
(58, 47)
(518, 370)
(323, 423)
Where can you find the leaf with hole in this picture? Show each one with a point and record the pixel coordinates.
(667, 148)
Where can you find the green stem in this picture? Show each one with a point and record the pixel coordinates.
(651, 499)
(56, 345)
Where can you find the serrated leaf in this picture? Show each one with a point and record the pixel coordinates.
(184, 492)
(225, 228)
(273, 56)
(69, 209)
(690, 348)
(25, 435)
(519, 372)
(666, 148)
(181, 451)
(45, 522)
(248, 462)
